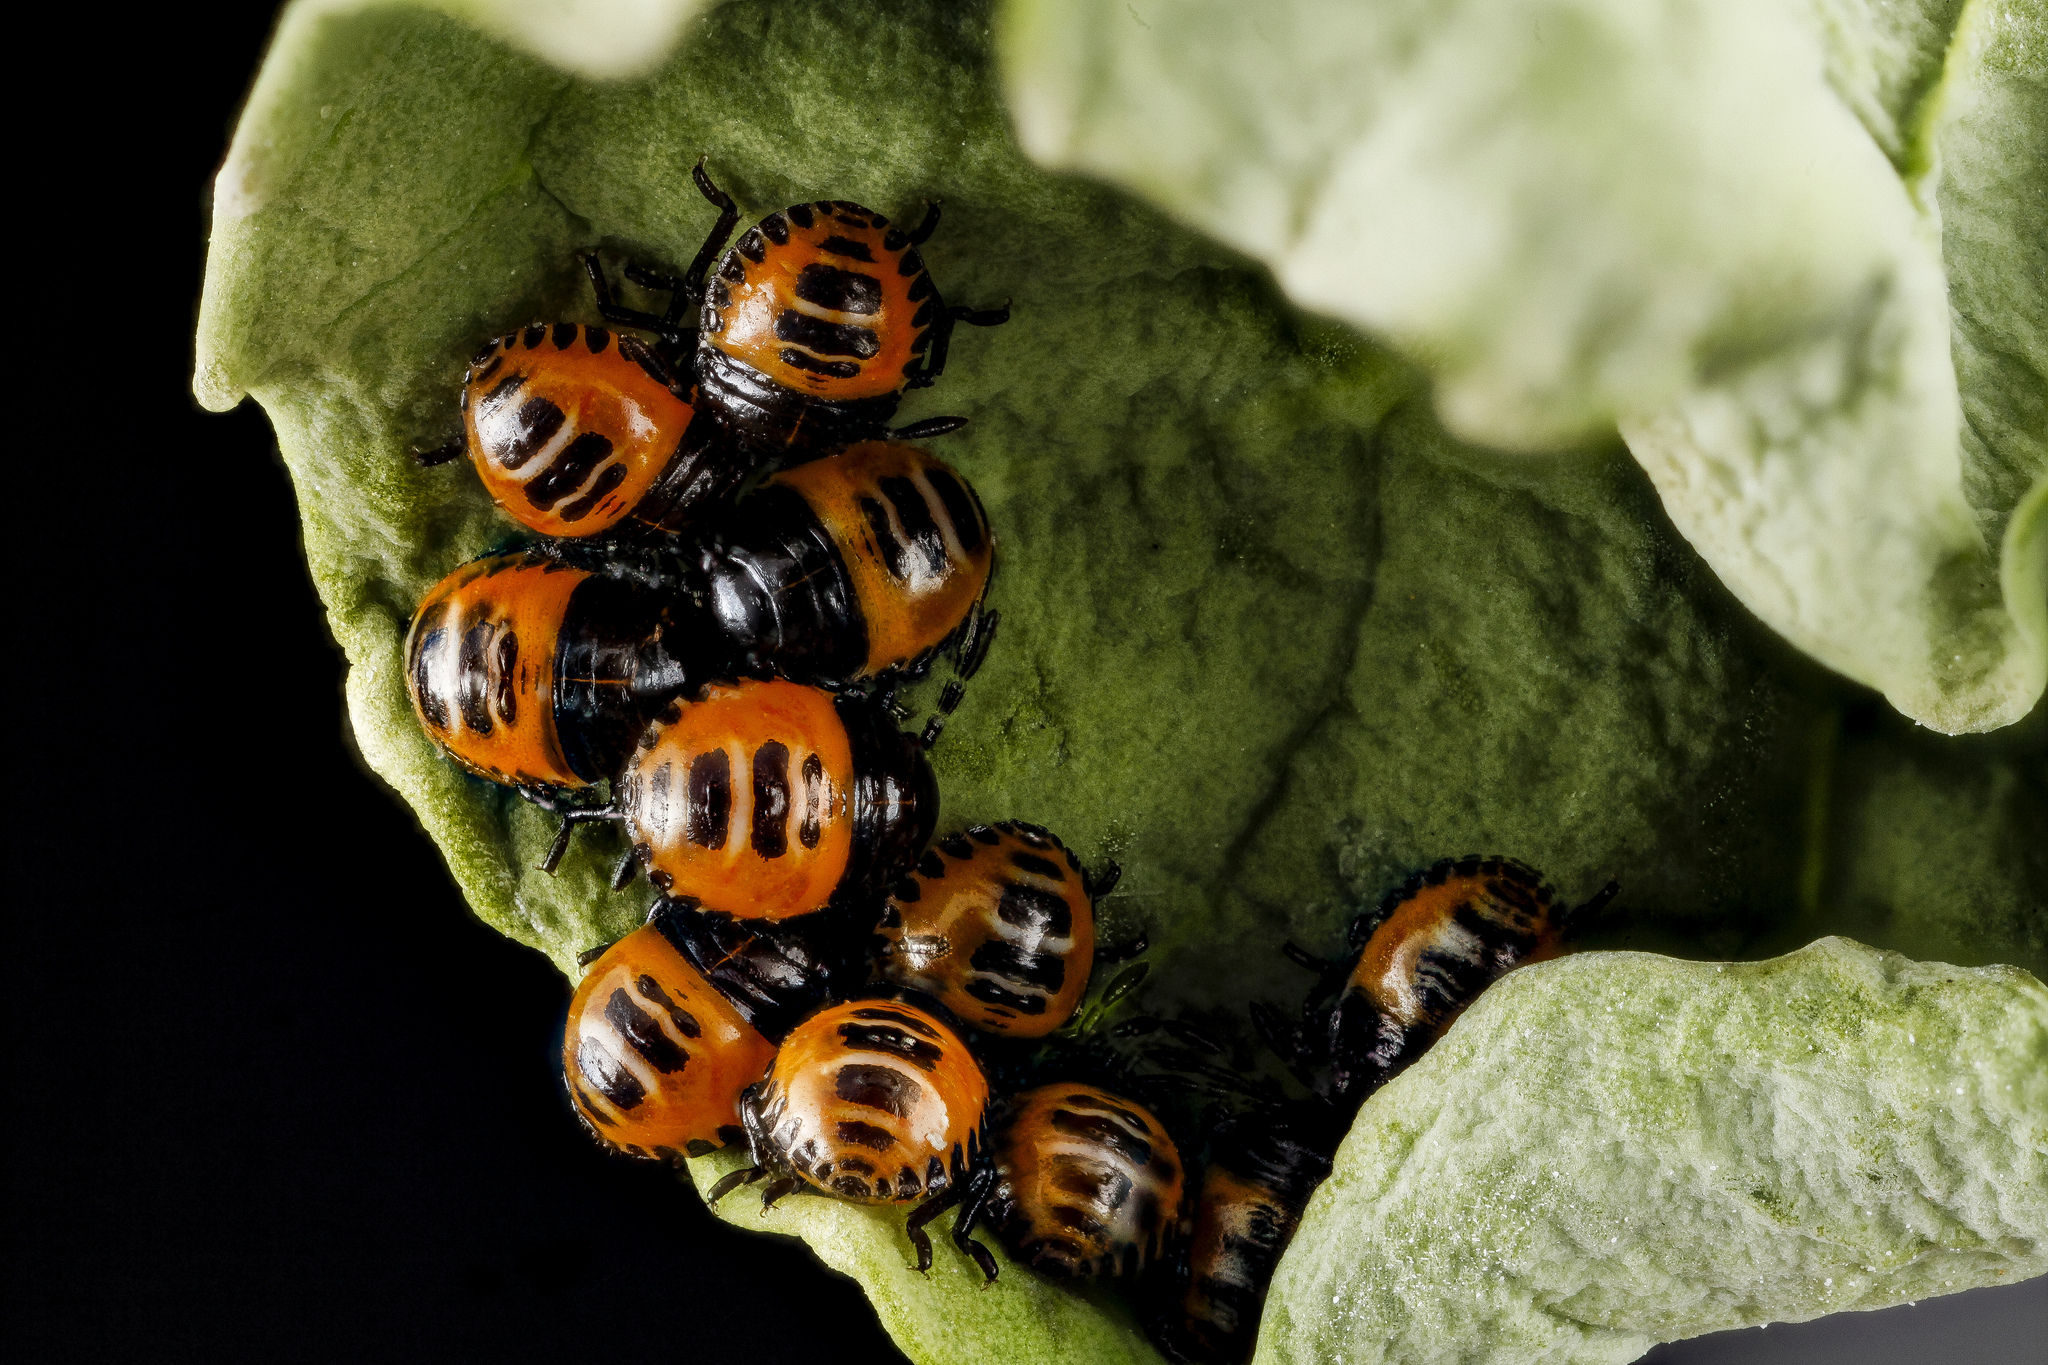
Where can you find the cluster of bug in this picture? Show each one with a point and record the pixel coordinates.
(739, 566)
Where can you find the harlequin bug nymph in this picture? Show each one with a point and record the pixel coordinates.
(1087, 1183)
(654, 1056)
(575, 430)
(876, 1102)
(1436, 942)
(540, 675)
(817, 320)
(851, 566)
(770, 799)
(1263, 1166)
(998, 925)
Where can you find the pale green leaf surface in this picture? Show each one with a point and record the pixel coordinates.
(1618, 1149)
(1272, 639)
(1715, 224)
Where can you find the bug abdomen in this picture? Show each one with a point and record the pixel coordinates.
(571, 427)
(874, 1102)
(826, 299)
(913, 540)
(780, 592)
(997, 925)
(655, 1058)
(1090, 1183)
(743, 799)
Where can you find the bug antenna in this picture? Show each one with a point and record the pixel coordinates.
(928, 428)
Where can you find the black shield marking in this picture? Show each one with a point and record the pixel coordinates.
(811, 828)
(915, 514)
(596, 338)
(804, 360)
(608, 1075)
(1044, 867)
(533, 426)
(896, 1016)
(960, 508)
(895, 558)
(533, 335)
(845, 246)
(842, 291)
(885, 1038)
(639, 1028)
(565, 335)
(801, 215)
(991, 993)
(863, 1135)
(613, 476)
(685, 1022)
(710, 808)
(878, 1087)
(1006, 960)
(771, 799)
(826, 338)
(499, 395)
(473, 679)
(508, 678)
(1029, 908)
(569, 469)
(429, 635)
(775, 228)
(1104, 1133)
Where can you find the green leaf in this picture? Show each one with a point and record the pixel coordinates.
(1617, 1149)
(1272, 638)
(1667, 216)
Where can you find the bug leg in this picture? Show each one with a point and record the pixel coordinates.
(780, 1189)
(932, 730)
(654, 279)
(628, 868)
(981, 1186)
(745, 1175)
(728, 219)
(608, 306)
(922, 233)
(1304, 958)
(440, 455)
(925, 1212)
(981, 317)
(1100, 884)
(571, 819)
(972, 651)
(590, 955)
(929, 427)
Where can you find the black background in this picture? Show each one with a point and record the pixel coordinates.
(277, 1094)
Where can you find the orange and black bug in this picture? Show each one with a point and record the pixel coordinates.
(1088, 1183)
(772, 799)
(1436, 942)
(875, 1101)
(851, 566)
(1263, 1166)
(655, 1057)
(997, 925)
(817, 320)
(577, 430)
(538, 674)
